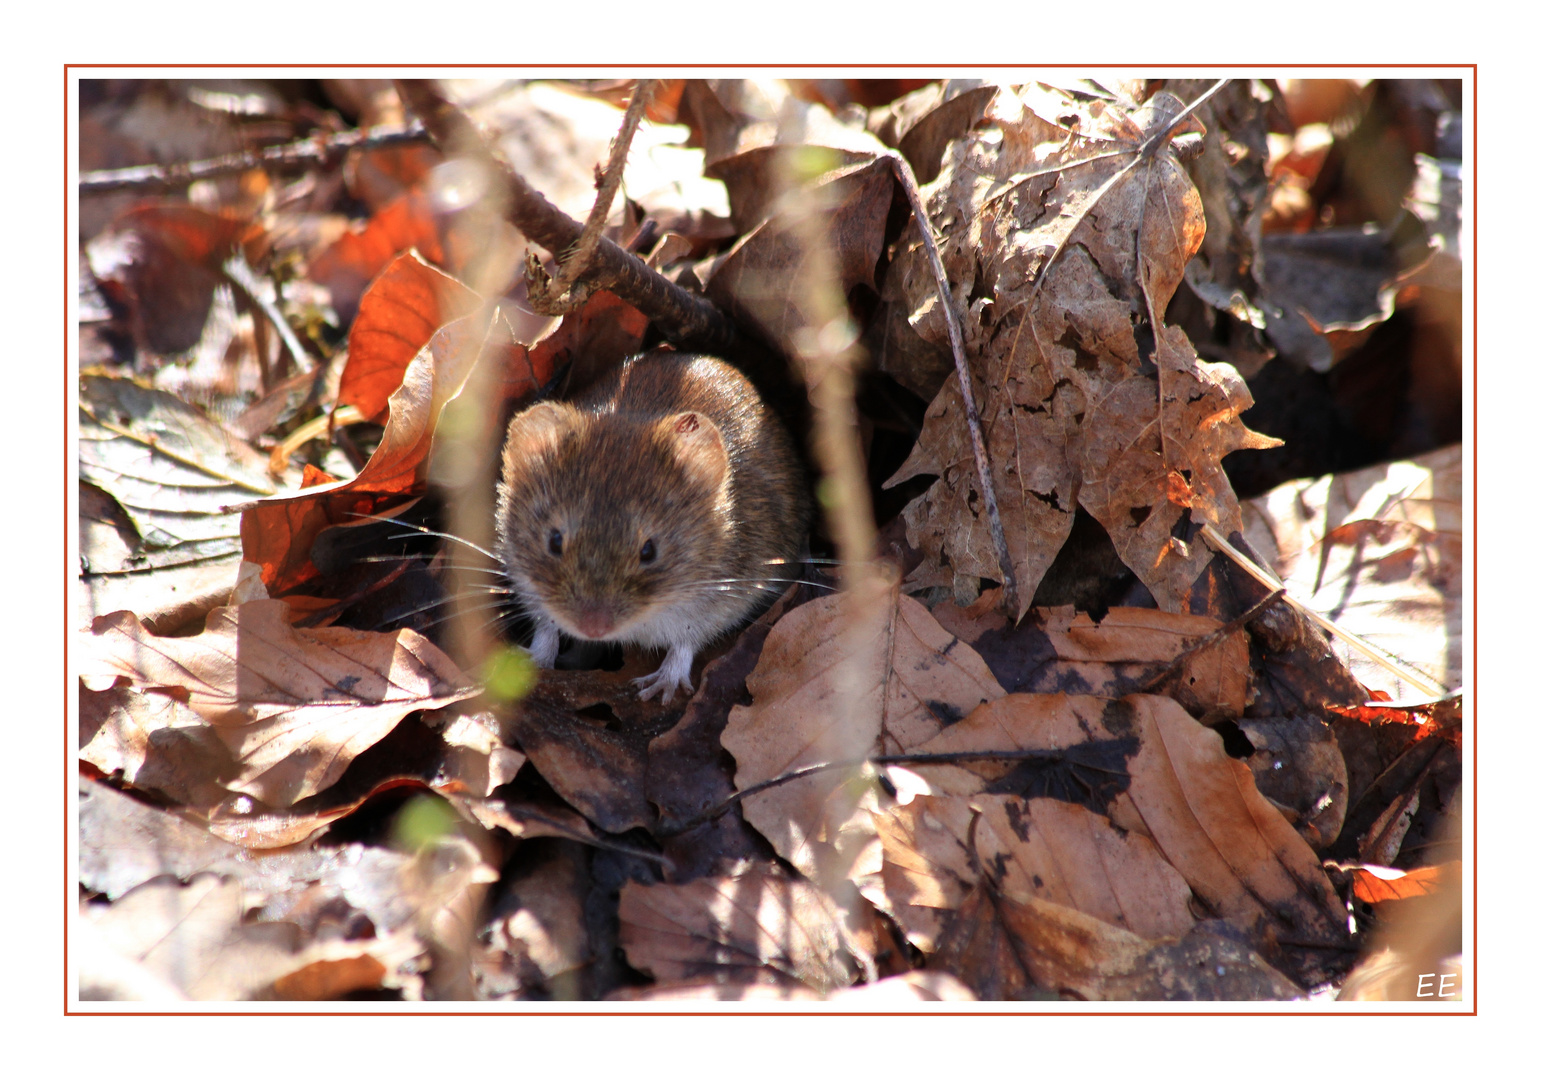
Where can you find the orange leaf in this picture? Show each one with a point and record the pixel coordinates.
(396, 317)
(277, 533)
(351, 263)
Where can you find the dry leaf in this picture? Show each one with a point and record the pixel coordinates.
(162, 262)
(277, 533)
(397, 316)
(919, 677)
(1061, 650)
(293, 706)
(177, 474)
(1379, 550)
(1199, 806)
(1068, 232)
(752, 919)
(350, 264)
(1065, 950)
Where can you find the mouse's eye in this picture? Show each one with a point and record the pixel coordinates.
(554, 542)
(649, 552)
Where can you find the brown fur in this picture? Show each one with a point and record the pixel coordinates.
(674, 449)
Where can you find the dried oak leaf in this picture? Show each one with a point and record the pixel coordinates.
(832, 685)
(1178, 787)
(1066, 226)
(752, 919)
(294, 707)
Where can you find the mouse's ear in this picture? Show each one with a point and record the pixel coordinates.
(698, 447)
(539, 430)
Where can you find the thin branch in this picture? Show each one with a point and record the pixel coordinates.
(325, 150)
(242, 277)
(965, 380)
(684, 317)
(556, 293)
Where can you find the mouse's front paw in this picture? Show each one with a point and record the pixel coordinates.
(673, 674)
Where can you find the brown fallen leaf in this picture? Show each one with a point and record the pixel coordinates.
(156, 743)
(1177, 786)
(599, 772)
(161, 262)
(1380, 551)
(1061, 650)
(294, 707)
(177, 475)
(977, 947)
(354, 260)
(918, 677)
(1298, 766)
(1065, 950)
(124, 843)
(752, 919)
(195, 939)
(934, 848)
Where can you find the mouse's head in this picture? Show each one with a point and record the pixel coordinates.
(606, 522)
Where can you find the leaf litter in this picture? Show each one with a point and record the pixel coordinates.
(912, 792)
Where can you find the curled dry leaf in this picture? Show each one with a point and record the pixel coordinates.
(724, 925)
(1067, 226)
(397, 316)
(294, 707)
(918, 678)
(277, 533)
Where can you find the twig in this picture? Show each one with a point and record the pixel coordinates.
(877, 759)
(242, 277)
(1372, 652)
(550, 296)
(684, 317)
(316, 150)
(1174, 666)
(965, 380)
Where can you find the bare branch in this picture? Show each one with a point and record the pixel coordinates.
(325, 150)
(685, 318)
(965, 379)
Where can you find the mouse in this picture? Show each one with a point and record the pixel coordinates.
(662, 507)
